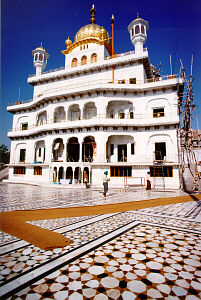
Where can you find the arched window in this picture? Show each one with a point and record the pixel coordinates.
(137, 29)
(40, 57)
(94, 58)
(84, 60)
(74, 62)
(36, 57)
(142, 29)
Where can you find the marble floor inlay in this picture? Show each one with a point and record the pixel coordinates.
(152, 253)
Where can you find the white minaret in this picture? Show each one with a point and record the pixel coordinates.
(40, 59)
(138, 33)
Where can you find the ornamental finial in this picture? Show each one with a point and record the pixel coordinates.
(137, 15)
(93, 12)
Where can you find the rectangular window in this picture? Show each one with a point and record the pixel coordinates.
(24, 126)
(132, 148)
(120, 171)
(158, 112)
(111, 149)
(22, 155)
(122, 81)
(132, 80)
(37, 171)
(165, 171)
(160, 151)
(19, 171)
(39, 152)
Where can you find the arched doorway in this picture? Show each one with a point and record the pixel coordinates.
(78, 175)
(90, 110)
(73, 149)
(61, 173)
(74, 112)
(55, 175)
(86, 169)
(57, 149)
(88, 149)
(69, 174)
(59, 114)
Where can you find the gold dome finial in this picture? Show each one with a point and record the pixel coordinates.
(138, 15)
(68, 42)
(93, 12)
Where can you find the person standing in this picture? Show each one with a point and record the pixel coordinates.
(85, 179)
(148, 179)
(196, 182)
(105, 183)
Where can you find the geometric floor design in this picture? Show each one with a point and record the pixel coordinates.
(155, 264)
(152, 253)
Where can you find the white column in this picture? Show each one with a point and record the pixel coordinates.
(64, 151)
(48, 152)
(81, 106)
(115, 152)
(128, 152)
(80, 140)
(30, 151)
(101, 141)
(73, 180)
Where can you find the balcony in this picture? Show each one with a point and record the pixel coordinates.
(138, 120)
(102, 85)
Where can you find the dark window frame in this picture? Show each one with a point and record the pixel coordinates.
(19, 170)
(120, 171)
(37, 170)
(161, 171)
(158, 112)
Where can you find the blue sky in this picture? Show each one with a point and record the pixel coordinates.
(174, 28)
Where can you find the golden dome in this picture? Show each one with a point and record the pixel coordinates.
(68, 42)
(40, 47)
(91, 31)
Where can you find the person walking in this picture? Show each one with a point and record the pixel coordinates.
(196, 182)
(105, 183)
(148, 181)
(85, 179)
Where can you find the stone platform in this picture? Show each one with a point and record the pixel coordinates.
(150, 253)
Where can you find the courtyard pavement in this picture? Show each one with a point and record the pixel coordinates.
(151, 253)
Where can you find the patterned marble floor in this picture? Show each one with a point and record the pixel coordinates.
(152, 253)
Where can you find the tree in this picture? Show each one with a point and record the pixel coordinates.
(4, 154)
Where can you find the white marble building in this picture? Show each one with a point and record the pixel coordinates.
(100, 112)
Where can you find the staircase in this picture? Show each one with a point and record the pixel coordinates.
(4, 173)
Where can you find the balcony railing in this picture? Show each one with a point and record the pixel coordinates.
(96, 82)
(112, 121)
(70, 67)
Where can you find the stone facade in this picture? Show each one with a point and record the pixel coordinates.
(81, 118)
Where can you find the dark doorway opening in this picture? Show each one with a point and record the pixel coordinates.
(122, 153)
(160, 151)
(73, 150)
(88, 149)
(61, 173)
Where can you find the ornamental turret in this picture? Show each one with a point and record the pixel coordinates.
(40, 59)
(138, 33)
